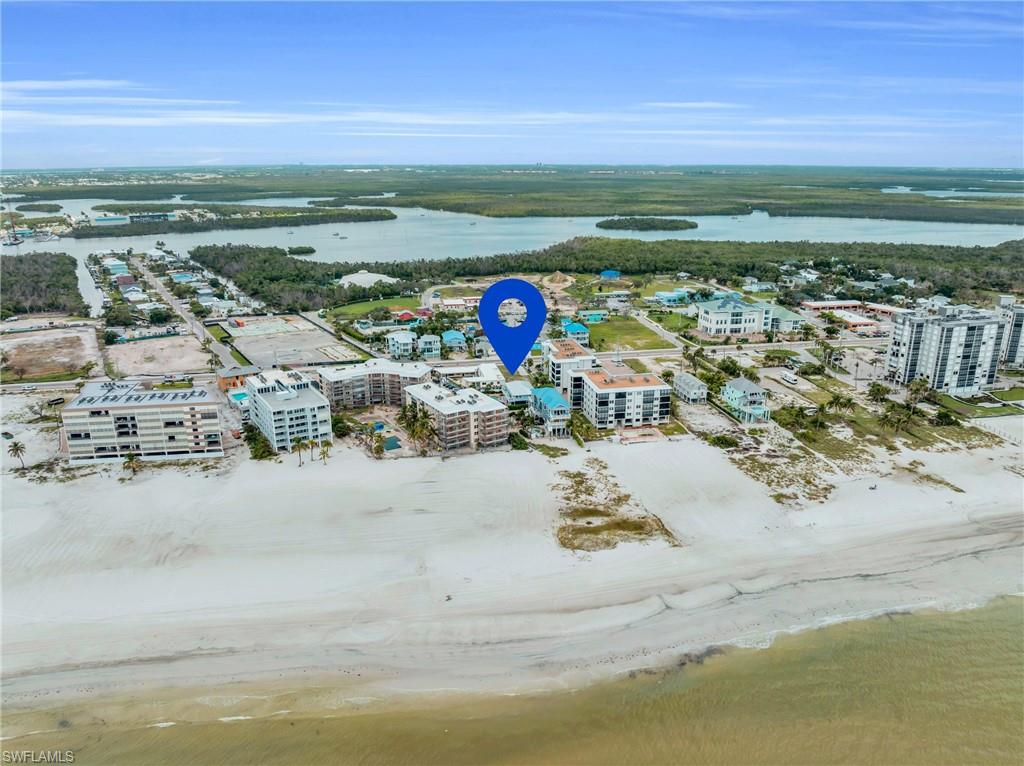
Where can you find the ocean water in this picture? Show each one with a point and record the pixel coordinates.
(930, 688)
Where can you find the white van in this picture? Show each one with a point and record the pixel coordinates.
(788, 377)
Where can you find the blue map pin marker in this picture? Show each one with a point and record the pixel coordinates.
(512, 343)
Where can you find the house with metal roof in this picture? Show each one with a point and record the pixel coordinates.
(746, 400)
(552, 408)
(690, 388)
(429, 346)
(517, 392)
(578, 332)
(454, 340)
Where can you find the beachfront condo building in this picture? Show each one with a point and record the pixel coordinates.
(377, 381)
(108, 421)
(463, 418)
(624, 400)
(1012, 314)
(285, 405)
(956, 350)
(561, 357)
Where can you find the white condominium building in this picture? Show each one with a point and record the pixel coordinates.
(463, 418)
(1013, 338)
(285, 405)
(561, 357)
(625, 400)
(108, 421)
(956, 351)
(731, 316)
(377, 381)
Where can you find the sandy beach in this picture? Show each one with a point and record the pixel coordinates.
(386, 579)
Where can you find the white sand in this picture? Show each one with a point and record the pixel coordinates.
(266, 572)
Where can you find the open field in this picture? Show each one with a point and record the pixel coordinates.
(55, 354)
(356, 310)
(271, 341)
(969, 410)
(1010, 395)
(158, 356)
(623, 332)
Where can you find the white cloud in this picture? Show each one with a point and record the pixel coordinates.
(694, 105)
(51, 85)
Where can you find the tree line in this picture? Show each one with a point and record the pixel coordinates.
(269, 274)
(37, 282)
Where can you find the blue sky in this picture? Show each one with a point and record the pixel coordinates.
(112, 84)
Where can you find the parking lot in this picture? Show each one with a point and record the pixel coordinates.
(272, 341)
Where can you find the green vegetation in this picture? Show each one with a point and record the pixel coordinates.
(37, 282)
(38, 207)
(217, 332)
(971, 410)
(586, 190)
(624, 332)
(301, 250)
(259, 447)
(302, 218)
(647, 224)
(636, 365)
(674, 322)
(362, 308)
(1011, 395)
(549, 450)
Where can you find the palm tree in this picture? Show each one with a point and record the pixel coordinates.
(891, 418)
(807, 332)
(17, 449)
(131, 462)
(840, 403)
(916, 391)
(297, 446)
(378, 445)
(877, 392)
(325, 451)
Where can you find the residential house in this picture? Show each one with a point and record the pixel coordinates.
(429, 346)
(746, 400)
(576, 331)
(690, 388)
(454, 340)
(517, 392)
(552, 408)
(230, 378)
(401, 344)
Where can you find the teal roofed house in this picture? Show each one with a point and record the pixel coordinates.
(578, 332)
(673, 297)
(746, 400)
(549, 405)
(454, 340)
(592, 316)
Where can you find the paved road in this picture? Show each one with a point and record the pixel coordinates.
(223, 352)
(668, 335)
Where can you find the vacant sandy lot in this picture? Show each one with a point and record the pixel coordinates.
(159, 356)
(51, 352)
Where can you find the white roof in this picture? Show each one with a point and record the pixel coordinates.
(117, 395)
(365, 278)
(450, 402)
(402, 336)
(386, 366)
(519, 388)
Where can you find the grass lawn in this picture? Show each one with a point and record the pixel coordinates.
(239, 357)
(1012, 395)
(968, 410)
(355, 310)
(461, 291)
(217, 332)
(636, 365)
(674, 322)
(623, 332)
